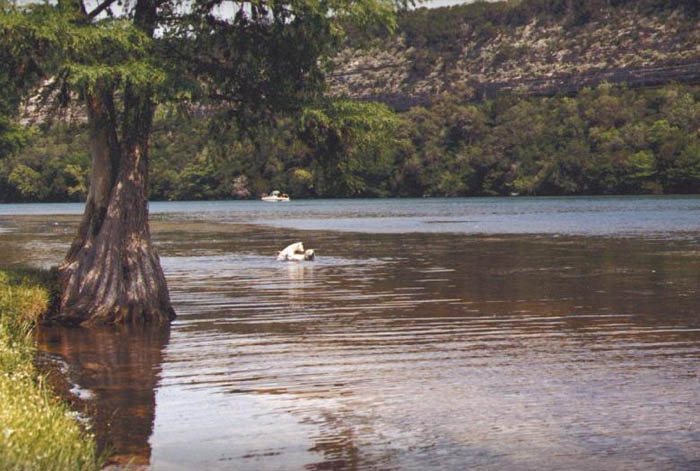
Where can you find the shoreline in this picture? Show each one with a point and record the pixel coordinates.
(39, 430)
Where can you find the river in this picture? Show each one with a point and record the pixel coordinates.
(485, 333)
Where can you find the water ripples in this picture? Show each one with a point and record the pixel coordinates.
(406, 351)
(393, 362)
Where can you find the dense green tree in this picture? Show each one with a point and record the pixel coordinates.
(605, 140)
(55, 167)
(353, 147)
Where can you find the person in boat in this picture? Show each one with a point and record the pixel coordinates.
(275, 196)
(295, 252)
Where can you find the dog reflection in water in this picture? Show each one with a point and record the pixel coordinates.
(295, 253)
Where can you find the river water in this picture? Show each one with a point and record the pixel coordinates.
(512, 333)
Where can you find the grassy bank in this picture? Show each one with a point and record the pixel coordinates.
(37, 431)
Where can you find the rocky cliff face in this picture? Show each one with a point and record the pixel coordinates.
(468, 55)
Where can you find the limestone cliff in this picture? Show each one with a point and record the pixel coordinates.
(480, 49)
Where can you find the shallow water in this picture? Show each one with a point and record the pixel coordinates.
(401, 348)
(650, 215)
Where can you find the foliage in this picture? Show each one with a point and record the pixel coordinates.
(263, 56)
(14, 74)
(55, 167)
(352, 147)
(605, 140)
(38, 432)
(333, 149)
(12, 137)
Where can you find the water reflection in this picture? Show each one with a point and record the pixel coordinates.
(111, 375)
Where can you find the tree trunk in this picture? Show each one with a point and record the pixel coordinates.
(112, 273)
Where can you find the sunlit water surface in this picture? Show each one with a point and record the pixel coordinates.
(429, 334)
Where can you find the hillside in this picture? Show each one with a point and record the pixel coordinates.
(535, 46)
(543, 140)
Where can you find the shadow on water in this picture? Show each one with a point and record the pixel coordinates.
(111, 375)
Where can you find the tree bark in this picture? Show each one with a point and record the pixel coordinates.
(112, 272)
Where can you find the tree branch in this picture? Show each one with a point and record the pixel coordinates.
(100, 8)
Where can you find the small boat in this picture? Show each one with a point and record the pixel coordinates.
(276, 196)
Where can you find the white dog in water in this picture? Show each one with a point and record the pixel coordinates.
(295, 252)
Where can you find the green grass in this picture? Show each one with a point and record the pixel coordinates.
(37, 430)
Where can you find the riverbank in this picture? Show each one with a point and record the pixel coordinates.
(38, 431)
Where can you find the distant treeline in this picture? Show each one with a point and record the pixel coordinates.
(607, 140)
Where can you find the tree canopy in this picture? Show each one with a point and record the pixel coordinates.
(249, 56)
